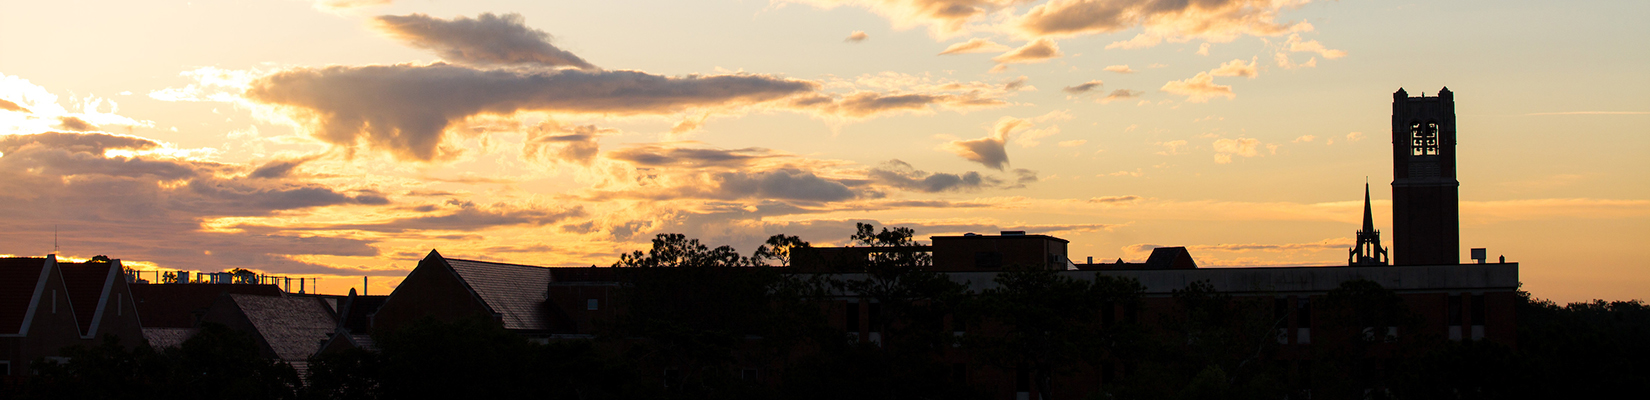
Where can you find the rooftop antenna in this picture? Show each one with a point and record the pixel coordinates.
(54, 238)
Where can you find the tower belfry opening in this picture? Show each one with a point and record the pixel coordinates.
(1426, 227)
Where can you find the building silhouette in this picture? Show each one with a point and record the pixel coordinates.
(1450, 301)
(1426, 214)
(1368, 250)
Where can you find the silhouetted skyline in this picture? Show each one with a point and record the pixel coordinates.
(338, 138)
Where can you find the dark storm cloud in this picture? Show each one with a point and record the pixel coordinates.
(487, 40)
(404, 108)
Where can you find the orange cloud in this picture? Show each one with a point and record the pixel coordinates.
(1242, 147)
(1237, 68)
(1039, 50)
(975, 45)
(1215, 20)
(1312, 46)
(1199, 88)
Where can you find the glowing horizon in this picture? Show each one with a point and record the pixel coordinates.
(338, 139)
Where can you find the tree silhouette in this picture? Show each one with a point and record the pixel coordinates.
(1049, 324)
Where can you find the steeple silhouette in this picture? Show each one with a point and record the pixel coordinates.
(1368, 251)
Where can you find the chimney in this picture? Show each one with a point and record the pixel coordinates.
(1480, 254)
(1014, 233)
(1091, 259)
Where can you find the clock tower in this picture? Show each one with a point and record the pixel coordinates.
(1426, 215)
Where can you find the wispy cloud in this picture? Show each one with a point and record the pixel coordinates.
(1218, 20)
(1085, 87)
(1296, 45)
(1037, 51)
(975, 45)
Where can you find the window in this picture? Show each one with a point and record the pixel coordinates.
(1455, 311)
(852, 320)
(673, 377)
(988, 260)
(1280, 313)
(5, 368)
(1423, 139)
(592, 305)
(1477, 317)
(1022, 380)
(959, 373)
(1303, 312)
(54, 301)
(1478, 309)
(1108, 314)
(749, 374)
(1303, 316)
(874, 311)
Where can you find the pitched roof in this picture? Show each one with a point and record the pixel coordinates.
(293, 326)
(161, 338)
(179, 305)
(1170, 258)
(515, 291)
(84, 282)
(18, 277)
(359, 308)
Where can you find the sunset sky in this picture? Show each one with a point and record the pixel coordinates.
(341, 138)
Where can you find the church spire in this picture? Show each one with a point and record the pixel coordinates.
(1369, 217)
(1368, 251)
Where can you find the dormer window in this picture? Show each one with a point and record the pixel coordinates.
(1423, 139)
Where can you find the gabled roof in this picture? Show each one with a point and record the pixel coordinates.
(294, 327)
(516, 292)
(178, 305)
(18, 279)
(162, 338)
(86, 284)
(1170, 258)
(357, 311)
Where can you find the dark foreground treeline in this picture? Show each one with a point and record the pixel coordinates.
(697, 319)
